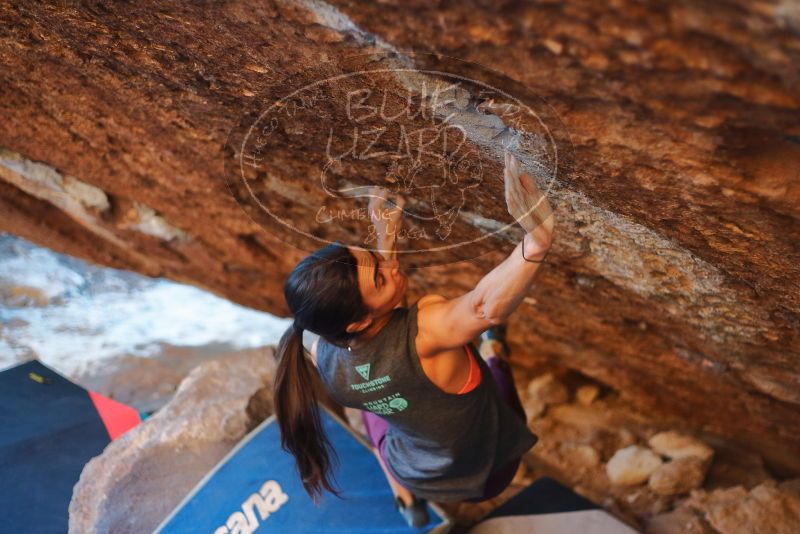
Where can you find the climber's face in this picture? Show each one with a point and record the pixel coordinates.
(380, 281)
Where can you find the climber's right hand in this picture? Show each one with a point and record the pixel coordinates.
(528, 205)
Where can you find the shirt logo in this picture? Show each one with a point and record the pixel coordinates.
(388, 405)
(363, 370)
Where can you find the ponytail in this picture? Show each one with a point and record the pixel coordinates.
(297, 412)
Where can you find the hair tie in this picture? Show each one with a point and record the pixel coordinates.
(297, 327)
(531, 260)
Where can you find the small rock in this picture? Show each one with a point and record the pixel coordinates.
(675, 445)
(583, 456)
(585, 418)
(548, 389)
(679, 476)
(632, 465)
(554, 46)
(587, 394)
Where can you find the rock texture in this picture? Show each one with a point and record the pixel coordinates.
(769, 507)
(674, 274)
(140, 478)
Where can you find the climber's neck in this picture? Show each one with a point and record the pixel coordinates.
(371, 331)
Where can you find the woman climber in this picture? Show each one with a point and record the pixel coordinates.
(446, 424)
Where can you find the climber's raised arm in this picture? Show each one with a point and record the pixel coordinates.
(386, 215)
(445, 324)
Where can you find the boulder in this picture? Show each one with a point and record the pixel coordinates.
(140, 477)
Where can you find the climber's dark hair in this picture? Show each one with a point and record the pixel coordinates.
(323, 295)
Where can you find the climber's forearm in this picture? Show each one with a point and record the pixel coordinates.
(387, 246)
(386, 241)
(499, 293)
(450, 323)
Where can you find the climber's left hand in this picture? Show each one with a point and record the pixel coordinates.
(386, 213)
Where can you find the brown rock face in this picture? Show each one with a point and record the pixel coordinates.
(669, 144)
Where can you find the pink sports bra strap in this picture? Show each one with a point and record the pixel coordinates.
(474, 373)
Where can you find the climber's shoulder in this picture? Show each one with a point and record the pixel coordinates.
(428, 299)
(426, 334)
(444, 324)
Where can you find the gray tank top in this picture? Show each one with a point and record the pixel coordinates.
(441, 446)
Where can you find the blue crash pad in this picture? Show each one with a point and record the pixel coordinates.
(256, 488)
